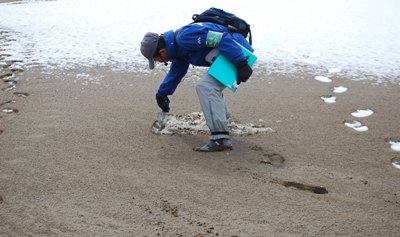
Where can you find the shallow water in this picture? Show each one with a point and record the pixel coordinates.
(356, 39)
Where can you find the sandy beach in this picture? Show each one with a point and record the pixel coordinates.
(78, 159)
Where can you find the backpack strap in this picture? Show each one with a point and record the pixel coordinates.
(250, 37)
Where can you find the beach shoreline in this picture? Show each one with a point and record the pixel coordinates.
(79, 158)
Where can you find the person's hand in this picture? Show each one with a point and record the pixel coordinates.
(244, 71)
(163, 102)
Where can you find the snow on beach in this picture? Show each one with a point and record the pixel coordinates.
(357, 39)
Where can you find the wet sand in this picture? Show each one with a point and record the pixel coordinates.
(79, 159)
(6, 1)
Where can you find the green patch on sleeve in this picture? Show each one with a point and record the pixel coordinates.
(213, 39)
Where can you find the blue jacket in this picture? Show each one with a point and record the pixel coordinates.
(188, 46)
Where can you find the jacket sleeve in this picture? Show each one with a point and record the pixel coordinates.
(177, 71)
(230, 49)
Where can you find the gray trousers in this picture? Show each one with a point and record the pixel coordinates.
(213, 104)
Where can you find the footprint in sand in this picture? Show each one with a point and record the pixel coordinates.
(396, 162)
(9, 88)
(323, 79)
(21, 94)
(9, 110)
(306, 187)
(329, 99)
(10, 80)
(17, 67)
(395, 145)
(7, 102)
(356, 125)
(362, 113)
(339, 89)
(6, 76)
(274, 159)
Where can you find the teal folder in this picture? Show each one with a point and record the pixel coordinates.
(225, 72)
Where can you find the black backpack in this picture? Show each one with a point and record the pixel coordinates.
(221, 17)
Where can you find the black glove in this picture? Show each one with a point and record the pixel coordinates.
(244, 71)
(163, 102)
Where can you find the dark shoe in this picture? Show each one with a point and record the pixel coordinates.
(223, 144)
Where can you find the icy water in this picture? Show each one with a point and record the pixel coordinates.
(357, 39)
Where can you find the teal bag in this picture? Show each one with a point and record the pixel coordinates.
(225, 72)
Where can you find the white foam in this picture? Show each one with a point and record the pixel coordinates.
(329, 99)
(339, 89)
(394, 145)
(322, 79)
(360, 113)
(356, 125)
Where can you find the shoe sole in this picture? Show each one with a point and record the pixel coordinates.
(226, 148)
